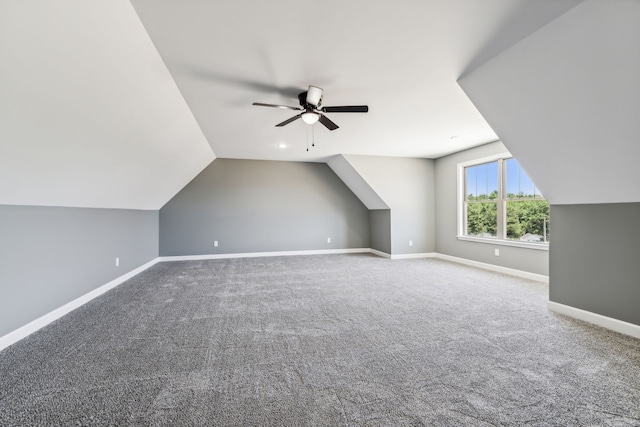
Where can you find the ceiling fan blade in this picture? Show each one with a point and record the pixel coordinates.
(327, 123)
(286, 122)
(346, 109)
(285, 107)
(314, 96)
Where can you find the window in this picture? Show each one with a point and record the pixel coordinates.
(498, 201)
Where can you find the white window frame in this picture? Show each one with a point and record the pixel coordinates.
(460, 207)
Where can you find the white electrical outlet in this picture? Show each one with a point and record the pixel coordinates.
(215, 243)
(117, 262)
(328, 239)
(410, 242)
(497, 252)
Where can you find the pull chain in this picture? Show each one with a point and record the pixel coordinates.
(311, 134)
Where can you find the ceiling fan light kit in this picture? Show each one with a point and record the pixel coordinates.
(310, 117)
(312, 109)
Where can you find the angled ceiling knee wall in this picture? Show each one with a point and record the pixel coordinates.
(356, 183)
(89, 114)
(565, 102)
(405, 186)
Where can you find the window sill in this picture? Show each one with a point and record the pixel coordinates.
(537, 246)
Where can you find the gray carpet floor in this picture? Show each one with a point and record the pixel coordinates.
(335, 340)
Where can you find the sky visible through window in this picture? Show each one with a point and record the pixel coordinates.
(482, 181)
(518, 182)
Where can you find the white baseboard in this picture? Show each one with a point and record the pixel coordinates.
(412, 256)
(33, 326)
(294, 253)
(380, 253)
(496, 268)
(597, 319)
(264, 254)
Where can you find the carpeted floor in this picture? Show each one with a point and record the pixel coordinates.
(335, 340)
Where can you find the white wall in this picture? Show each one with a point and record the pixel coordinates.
(565, 102)
(89, 114)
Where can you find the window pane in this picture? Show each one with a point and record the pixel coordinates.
(519, 184)
(482, 181)
(492, 180)
(472, 185)
(482, 219)
(528, 220)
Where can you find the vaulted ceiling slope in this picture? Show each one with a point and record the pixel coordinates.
(565, 101)
(402, 58)
(89, 114)
(105, 106)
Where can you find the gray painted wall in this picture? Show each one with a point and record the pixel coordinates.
(263, 206)
(407, 186)
(50, 256)
(595, 257)
(380, 230)
(531, 260)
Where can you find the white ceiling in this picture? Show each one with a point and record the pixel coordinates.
(402, 58)
(118, 104)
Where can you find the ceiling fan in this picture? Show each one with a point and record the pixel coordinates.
(312, 109)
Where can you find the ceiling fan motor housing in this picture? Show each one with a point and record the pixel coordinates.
(302, 98)
(314, 96)
(312, 110)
